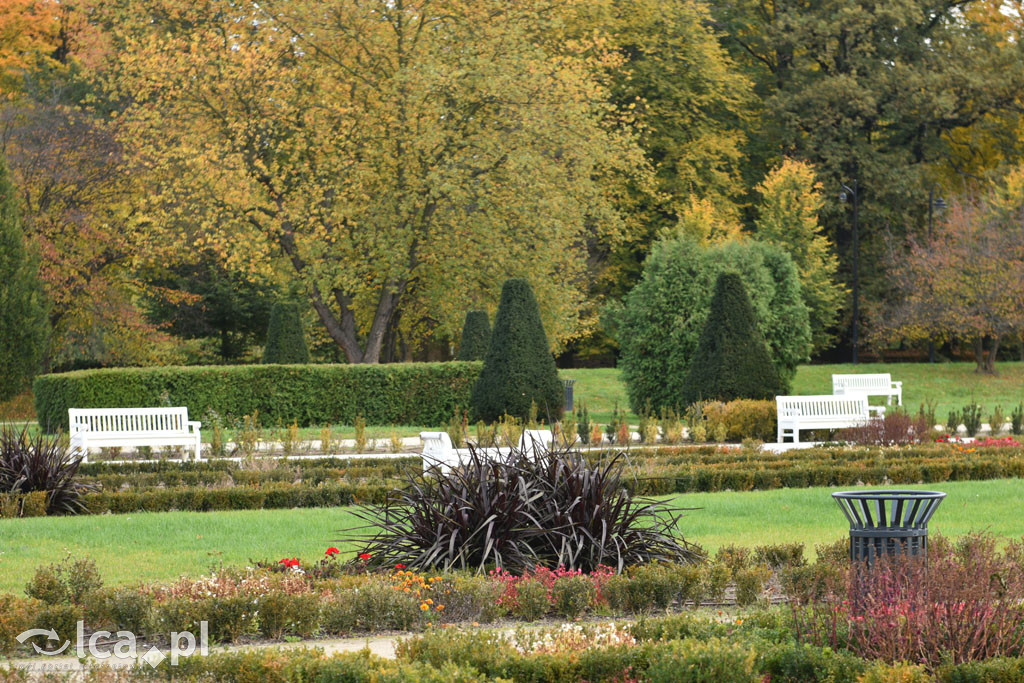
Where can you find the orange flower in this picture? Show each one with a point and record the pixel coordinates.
(440, 607)
(424, 607)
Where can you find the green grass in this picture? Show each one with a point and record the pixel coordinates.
(949, 385)
(162, 546)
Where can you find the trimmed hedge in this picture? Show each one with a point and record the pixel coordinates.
(398, 393)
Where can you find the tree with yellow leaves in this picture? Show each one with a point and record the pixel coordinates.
(791, 198)
(397, 159)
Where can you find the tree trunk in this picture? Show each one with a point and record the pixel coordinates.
(979, 354)
(990, 360)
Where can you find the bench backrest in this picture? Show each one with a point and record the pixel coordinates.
(823, 407)
(861, 382)
(437, 445)
(129, 420)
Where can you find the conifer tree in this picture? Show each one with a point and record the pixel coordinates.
(732, 359)
(24, 325)
(286, 342)
(476, 336)
(518, 368)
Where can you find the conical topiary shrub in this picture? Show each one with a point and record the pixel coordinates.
(732, 360)
(518, 368)
(286, 342)
(476, 336)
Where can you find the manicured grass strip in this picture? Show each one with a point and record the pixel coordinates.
(950, 385)
(161, 546)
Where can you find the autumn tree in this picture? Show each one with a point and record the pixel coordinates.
(877, 91)
(967, 280)
(387, 172)
(23, 324)
(791, 199)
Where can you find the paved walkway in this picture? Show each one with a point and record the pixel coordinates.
(383, 646)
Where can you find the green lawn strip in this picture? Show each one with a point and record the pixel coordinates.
(161, 546)
(949, 385)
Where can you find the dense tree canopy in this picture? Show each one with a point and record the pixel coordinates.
(662, 318)
(391, 172)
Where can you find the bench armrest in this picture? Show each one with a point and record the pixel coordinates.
(194, 425)
(879, 410)
(897, 385)
(79, 428)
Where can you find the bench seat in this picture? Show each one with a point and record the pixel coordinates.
(879, 384)
(132, 427)
(821, 412)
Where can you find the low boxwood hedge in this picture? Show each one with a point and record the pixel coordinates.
(398, 393)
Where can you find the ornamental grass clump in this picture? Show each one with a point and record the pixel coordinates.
(39, 462)
(520, 509)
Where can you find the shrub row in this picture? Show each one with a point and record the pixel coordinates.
(730, 654)
(400, 393)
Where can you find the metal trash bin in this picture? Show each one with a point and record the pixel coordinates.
(568, 393)
(888, 522)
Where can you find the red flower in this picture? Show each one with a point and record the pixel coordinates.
(365, 556)
(399, 566)
(294, 562)
(332, 551)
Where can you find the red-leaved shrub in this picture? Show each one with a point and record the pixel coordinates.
(896, 428)
(963, 605)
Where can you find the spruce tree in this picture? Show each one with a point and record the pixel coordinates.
(286, 342)
(24, 325)
(476, 336)
(732, 359)
(518, 368)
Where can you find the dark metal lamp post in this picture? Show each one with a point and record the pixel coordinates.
(852, 192)
(934, 204)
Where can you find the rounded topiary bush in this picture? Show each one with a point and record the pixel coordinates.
(663, 316)
(519, 369)
(732, 360)
(286, 342)
(476, 336)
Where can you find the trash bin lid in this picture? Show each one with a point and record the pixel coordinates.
(907, 509)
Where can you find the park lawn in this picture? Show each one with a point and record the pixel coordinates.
(162, 546)
(949, 385)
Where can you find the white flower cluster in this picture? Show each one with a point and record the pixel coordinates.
(572, 637)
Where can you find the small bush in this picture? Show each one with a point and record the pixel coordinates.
(780, 555)
(281, 613)
(532, 601)
(16, 616)
(971, 416)
(750, 584)
(60, 618)
(896, 428)
(67, 581)
(734, 557)
(120, 609)
(572, 595)
(703, 661)
(377, 606)
(714, 580)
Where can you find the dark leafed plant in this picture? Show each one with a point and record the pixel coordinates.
(517, 509)
(40, 463)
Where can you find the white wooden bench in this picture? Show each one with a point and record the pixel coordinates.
(869, 385)
(821, 412)
(437, 446)
(120, 427)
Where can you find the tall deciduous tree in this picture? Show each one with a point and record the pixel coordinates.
(788, 217)
(400, 155)
(23, 324)
(967, 281)
(876, 91)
